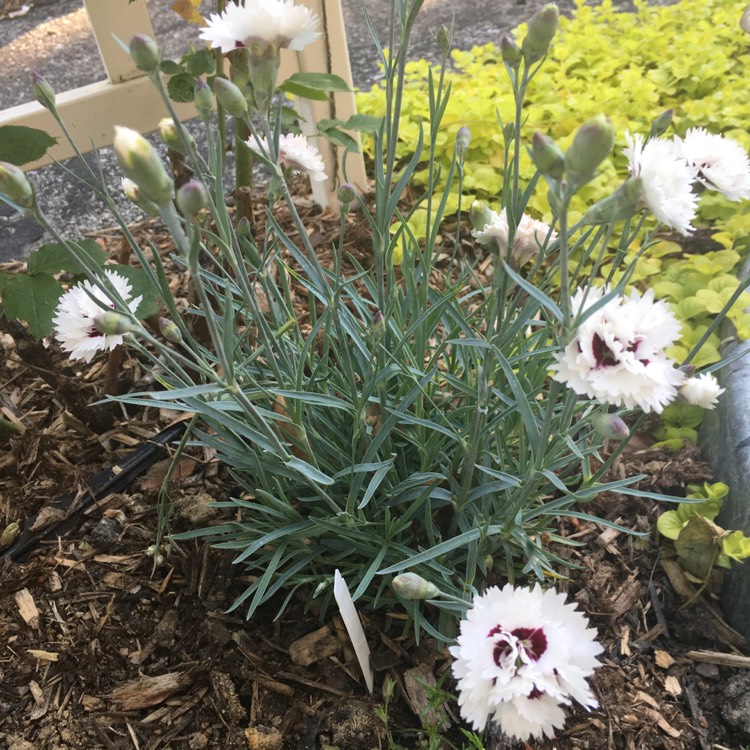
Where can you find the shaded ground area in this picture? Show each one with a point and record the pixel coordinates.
(108, 647)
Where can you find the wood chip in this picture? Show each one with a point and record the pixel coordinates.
(723, 660)
(625, 641)
(149, 691)
(27, 608)
(662, 723)
(672, 685)
(43, 655)
(314, 647)
(663, 659)
(418, 681)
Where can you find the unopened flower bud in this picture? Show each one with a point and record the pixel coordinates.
(192, 197)
(622, 204)
(412, 586)
(43, 92)
(145, 53)
(463, 139)
(542, 28)
(15, 184)
(112, 323)
(689, 370)
(510, 51)
(479, 215)
(170, 330)
(202, 97)
(244, 228)
(134, 195)
(140, 163)
(661, 124)
(443, 38)
(231, 97)
(610, 426)
(347, 194)
(171, 137)
(378, 325)
(547, 156)
(509, 131)
(591, 145)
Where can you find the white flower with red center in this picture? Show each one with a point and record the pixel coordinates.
(295, 153)
(272, 23)
(76, 313)
(617, 353)
(530, 236)
(520, 654)
(666, 180)
(720, 163)
(702, 390)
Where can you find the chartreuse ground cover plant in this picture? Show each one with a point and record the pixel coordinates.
(425, 432)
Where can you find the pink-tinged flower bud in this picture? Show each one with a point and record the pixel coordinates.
(231, 97)
(170, 330)
(145, 53)
(347, 194)
(463, 139)
(192, 197)
(547, 156)
(412, 586)
(610, 426)
(378, 325)
(479, 215)
(745, 20)
(689, 370)
(171, 137)
(661, 124)
(140, 163)
(15, 184)
(203, 98)
(510, 51)
(114, 324)
(542, 28)
(244, 228)
(591, 145)
(43, 92)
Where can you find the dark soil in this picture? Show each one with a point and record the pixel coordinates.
(107, 646)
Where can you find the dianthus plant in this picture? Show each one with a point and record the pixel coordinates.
(427, 419)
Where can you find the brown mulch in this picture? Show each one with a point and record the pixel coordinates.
(106, 643)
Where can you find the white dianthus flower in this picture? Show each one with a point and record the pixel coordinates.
(520, 654)
(666, 180)
(702, 390)
(617, 354)
(76, 312)
(530, 236)
(295, 153)
(720, 163)
(277, 23)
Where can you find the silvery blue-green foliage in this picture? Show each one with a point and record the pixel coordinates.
(413, 425)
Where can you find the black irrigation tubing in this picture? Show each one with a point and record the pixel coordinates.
(114, 479)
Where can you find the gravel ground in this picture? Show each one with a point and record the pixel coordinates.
(54, 39)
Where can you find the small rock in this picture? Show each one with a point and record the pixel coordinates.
(264, 738)
(354, 725)
(736, 707)
(709, 671)
(198, 741)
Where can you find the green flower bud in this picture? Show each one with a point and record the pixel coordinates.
(591, 145)
(43, 92)
(192, 197)
(547, 156)
(509, 131)
(347, 194)
(689, 370)
(15, 184)
(378, 326)
(444, 39)
(661, 124)
(412, 586)
(140, 163)
(145, 53)
(479, 215)
(202, 98)
(463, 139)
(171, 137)
(542, 28)
(622, 204)
(610, 426)
(745, 20)
(510, 51)
(134, 195)
(244, 228)
(112, 323)
(231, 97)
(170, 330)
